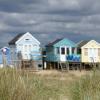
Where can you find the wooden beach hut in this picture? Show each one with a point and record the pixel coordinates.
(59, 50)
(89, 51)
(26, 48)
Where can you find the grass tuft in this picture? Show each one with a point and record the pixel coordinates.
(87, 88)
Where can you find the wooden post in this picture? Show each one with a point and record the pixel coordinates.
(51, 65)
(4, 59)
(80, 66)
(54, 65)
(67, 66)
(58, 65)
(44, 65)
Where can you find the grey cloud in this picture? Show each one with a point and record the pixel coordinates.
(50, 19)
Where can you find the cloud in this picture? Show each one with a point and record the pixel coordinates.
(50, 19)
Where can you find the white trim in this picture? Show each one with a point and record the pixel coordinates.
(70, 50)
(21, 38)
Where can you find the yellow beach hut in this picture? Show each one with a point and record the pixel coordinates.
(89, 51)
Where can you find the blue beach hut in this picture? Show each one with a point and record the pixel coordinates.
(61, 50)
(5, 54)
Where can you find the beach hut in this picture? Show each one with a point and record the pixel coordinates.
(59, 50)
(5, 57)
(89, 51)
(26, 47)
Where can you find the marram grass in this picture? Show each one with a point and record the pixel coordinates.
(87, 88)
(21, 85)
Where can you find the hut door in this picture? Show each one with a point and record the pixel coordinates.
(63, 54)
(93, 52)
(25, 56)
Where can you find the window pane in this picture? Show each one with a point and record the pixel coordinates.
(25, 48)
(62, 50)
(67, 51)
(30, 47)
(78, 51)
(73, 50)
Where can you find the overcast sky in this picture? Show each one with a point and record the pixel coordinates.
(48, 20)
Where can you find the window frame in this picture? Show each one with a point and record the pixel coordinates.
(62, 50)
(67, 51)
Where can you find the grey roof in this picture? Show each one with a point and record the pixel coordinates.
(54, 42)
(82, 43)
(13, 41)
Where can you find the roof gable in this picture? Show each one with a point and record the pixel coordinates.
(30, 35)
(92, 43)
(61, 42)
(65, 42)
(19, 37)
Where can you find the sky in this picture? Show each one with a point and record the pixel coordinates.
(49, 20)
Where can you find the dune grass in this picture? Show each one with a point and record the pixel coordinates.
(86, 88)
(21, 85)
(24, 85)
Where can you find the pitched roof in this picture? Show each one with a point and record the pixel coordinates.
(54, 42)
(82, 43)
(13, 41)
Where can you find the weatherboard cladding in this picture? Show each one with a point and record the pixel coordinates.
(13, 41)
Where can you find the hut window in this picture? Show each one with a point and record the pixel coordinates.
(57, 50)
(85, 51)
(99, 52)
(27, 39)
(62, 50)
(30, 47)
(25, 48)
(20, 44)
(78, 51)
(73, 50)
(67, 51)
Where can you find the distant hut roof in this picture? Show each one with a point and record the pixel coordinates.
(54, 42)
(82, 43)
(13, 41)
